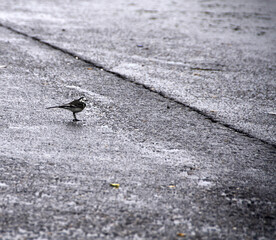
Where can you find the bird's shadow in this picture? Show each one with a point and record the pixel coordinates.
(76, 124)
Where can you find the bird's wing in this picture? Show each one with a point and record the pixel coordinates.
(77, 104)
(68, 105)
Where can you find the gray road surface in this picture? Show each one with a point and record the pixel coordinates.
(181, 114)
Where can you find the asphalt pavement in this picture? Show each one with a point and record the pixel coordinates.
(178, 139)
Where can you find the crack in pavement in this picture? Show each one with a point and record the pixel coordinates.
(149, 88)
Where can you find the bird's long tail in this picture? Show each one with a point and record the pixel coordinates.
(53, 107)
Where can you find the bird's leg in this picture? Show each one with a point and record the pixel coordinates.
(75, 118)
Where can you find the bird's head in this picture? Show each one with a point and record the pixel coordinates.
(82, 99)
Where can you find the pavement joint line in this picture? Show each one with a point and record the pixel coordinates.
(149, 88)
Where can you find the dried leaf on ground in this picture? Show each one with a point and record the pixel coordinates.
(115, 185)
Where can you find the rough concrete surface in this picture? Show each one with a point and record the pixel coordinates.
(181, 114)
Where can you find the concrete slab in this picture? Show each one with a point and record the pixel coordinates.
(180, 173)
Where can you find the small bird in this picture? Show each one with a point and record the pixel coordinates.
(75, 106)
